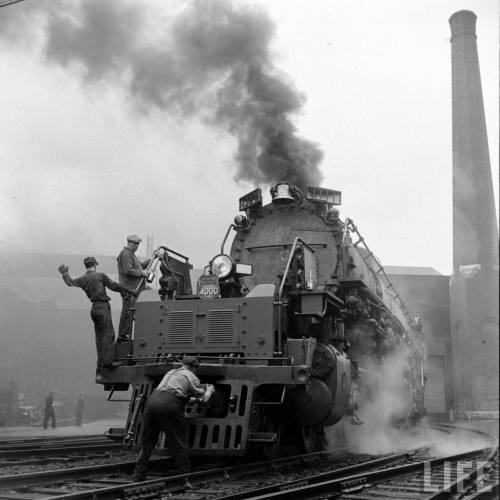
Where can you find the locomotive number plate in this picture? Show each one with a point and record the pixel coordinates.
(208, 287)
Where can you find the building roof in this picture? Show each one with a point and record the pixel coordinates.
(411, 271)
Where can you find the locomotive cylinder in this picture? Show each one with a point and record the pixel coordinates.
(323, 400)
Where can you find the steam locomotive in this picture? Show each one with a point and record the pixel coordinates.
(294, 327)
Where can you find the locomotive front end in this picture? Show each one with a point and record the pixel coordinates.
(282, 325)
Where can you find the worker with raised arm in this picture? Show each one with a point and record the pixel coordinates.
(165, 412)
(94, 285)
(130, 273)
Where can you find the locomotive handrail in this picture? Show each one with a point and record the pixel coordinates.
(231, 226)
(295, 245)
(351, 226)
(282, 245)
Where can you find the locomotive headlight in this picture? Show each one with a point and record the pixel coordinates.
(222, 265)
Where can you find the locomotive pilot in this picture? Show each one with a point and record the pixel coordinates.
(165, 412)
(94, 284)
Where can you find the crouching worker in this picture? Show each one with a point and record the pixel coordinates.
(165, 412)
(94, 284)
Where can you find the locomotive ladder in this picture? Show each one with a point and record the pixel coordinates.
(350, 226)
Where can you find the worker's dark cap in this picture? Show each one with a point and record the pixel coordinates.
(190, 361)
(134, 238)
(90, 262)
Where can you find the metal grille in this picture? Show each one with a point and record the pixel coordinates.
(220, 326)
(180, 327)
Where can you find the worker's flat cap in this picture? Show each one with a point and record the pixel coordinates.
(134, 238)
(190, 361)
(90, 261)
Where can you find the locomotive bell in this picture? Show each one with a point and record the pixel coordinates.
(282, 194)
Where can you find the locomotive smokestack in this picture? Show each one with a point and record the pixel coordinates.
(475, 234)
(474, 284)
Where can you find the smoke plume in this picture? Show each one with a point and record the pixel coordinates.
(210, 60)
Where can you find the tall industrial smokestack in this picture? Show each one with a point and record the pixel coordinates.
(475, 234)
(474, 284)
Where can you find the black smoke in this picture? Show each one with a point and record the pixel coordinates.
(211, 60)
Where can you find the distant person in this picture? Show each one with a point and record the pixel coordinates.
(165, 412)
(130, 272)
(80, 405)
(94, 284)
(48, 412)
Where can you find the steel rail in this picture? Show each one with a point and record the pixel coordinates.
(177, 483)
(294, 491)
(20, 441)
(350, 469)
(46, 477)
(47, 451)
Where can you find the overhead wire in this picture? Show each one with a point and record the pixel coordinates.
(9, 2)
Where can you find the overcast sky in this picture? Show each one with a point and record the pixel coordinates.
(86, 158)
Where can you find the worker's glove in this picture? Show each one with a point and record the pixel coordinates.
(208, 393)
(133, 292)
(145, 274)
(63, 268)
(160, 252)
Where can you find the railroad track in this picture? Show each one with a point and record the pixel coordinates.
(19, 440)
(412, 474)
(242, 480)
(45, 439)
(47, 449)
(26, 455)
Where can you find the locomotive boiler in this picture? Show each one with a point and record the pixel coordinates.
(294, 326)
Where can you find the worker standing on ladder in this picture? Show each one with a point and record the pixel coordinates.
(94, 285)
(130, 273)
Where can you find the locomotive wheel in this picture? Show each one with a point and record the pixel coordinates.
(310, 439)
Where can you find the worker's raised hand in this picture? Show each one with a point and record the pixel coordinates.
(144, 274)
(133, 292)
(63, 268)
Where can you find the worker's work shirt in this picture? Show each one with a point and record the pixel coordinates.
(129, 268)
(94, 284)
(49, 402)
(181, 382)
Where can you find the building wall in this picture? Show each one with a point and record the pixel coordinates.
(428, 296)
(46, 333)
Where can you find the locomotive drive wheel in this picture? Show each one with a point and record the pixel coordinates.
(310, 439)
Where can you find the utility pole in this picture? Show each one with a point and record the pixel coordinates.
(149, 245)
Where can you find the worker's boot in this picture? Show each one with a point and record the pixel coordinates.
(138, 477)
(139, 473)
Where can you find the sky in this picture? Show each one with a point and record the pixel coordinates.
(140, 117)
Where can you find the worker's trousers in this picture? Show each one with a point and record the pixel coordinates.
(164, 412)
(104, 333)
(125, 326)
(49, 414)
